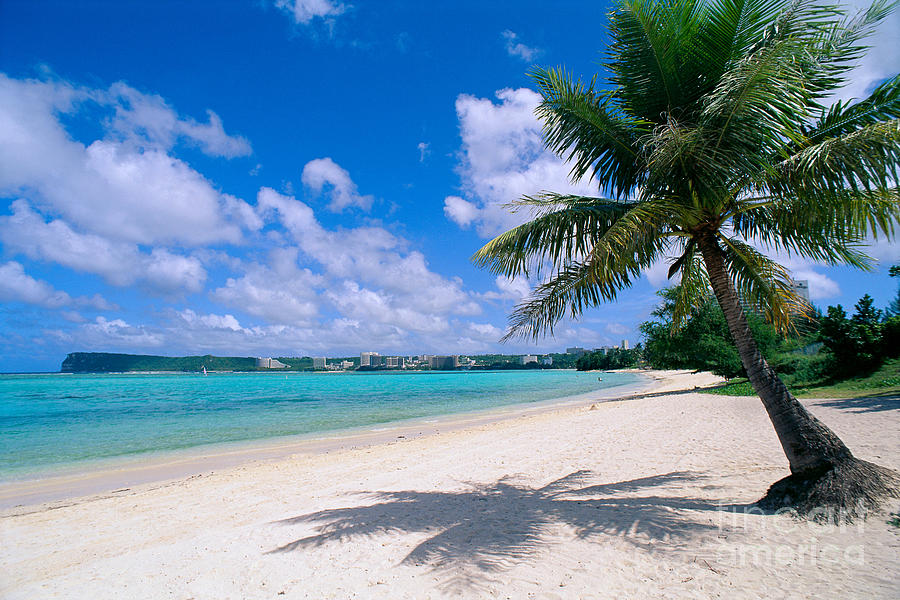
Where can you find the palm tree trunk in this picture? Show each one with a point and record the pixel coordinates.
(809, 445)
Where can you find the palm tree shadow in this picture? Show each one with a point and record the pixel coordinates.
(490, 527)
(862, 404)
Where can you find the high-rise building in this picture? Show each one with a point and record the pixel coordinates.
(801, 288)
(576, 350)
(528, 358)
(319, 362)
(624, 345)
(270, 363)
(394, 362)
(443, 362)
(369, 359)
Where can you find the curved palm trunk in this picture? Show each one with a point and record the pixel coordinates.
(809, 445)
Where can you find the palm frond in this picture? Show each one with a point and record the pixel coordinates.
(749, 103)
(843, 118)
(763, 284)
(563, 230)
(836, 45)
(828, 227)
(694, 290)
(646, 39)
(630, 245)
(865, 158)
(583, 126)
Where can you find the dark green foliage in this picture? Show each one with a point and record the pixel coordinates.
(496, 362)
(703, 342)
(861, 343)
(893, 309)
(797, 368)
(614, 358)
(105, 362)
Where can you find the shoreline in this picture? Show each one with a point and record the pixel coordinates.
(117, 474)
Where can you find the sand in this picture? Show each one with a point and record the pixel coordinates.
(649, 497)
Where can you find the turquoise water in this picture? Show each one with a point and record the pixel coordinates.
(54, 420)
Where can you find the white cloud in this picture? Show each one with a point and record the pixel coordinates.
(460, 211)
(503, 159)
(116, 333)
(378, 266)
(514, 289)
(516, 48)
(324, 172)
(880, 62)
(304, 11)
(120, 263)
(278, 292)
(17, 286)
(211, 321)
(126, 187)
(147, 120)
(424, 151)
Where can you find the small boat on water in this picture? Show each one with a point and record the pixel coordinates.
(204, 370)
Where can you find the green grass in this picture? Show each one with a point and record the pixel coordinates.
(884, 381)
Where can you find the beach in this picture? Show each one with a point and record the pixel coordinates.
(646, 497)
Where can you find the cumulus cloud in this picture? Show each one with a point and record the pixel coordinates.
(210, 320)
(126, 186)
(279, 291)
(516, 48)
(370, 265)
(460, 211)
(17, 286)
(323, 174)
(503, 159)
(103, 333)
(514, 289)
(304, 11)
(119, 263)
(147, 120)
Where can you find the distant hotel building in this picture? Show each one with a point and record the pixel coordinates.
(270, 363)
(394, 362)
(528, 358)
(369, 359)
(801, 288)
(443, 362)
(576, 350)
(319, 362)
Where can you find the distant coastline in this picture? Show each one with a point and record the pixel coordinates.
(108, 362)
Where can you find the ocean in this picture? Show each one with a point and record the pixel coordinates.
(53, 421)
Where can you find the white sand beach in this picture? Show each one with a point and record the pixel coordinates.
(649, 497)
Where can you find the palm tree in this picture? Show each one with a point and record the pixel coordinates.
(711, 136)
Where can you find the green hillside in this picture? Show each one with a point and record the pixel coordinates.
(105, 362)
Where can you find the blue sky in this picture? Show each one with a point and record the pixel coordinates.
(291, 177)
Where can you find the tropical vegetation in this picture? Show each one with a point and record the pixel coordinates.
(713, 137)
